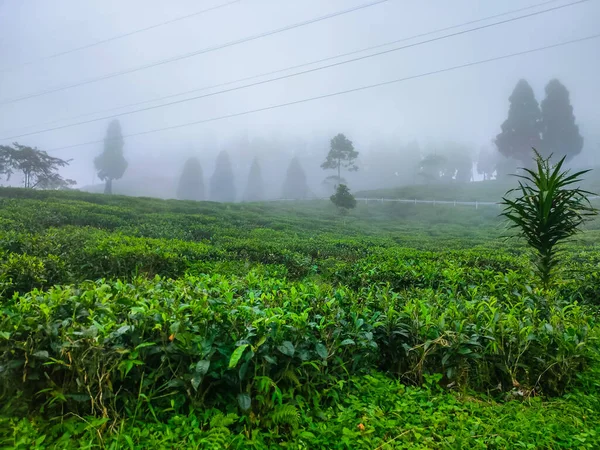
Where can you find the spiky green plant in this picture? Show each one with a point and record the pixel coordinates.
(547, 211)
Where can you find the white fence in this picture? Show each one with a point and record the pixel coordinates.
(476, 204)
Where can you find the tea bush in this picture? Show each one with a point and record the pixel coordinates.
(143, 322)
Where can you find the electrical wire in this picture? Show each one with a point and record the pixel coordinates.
(119, 36)
(195, 53)
(338, 93)
(264, 74)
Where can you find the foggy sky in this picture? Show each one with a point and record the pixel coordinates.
(466, 105)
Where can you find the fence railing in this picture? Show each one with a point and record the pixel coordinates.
(476, 203)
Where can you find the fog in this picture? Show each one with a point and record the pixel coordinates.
(463, 107)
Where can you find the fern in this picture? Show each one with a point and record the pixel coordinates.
(220, 420)
(216, 438)
(286, 415)
(290, 375)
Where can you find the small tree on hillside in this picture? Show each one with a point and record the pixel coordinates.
(560, 133)
(547, 211)
(222, 187)
(433, 167)
(191, 182)
(111, 164)
(343, 199)
(341, 155)
(39, 170)
(521, 130)
(486, 163)
(255, 188)
(294, 186)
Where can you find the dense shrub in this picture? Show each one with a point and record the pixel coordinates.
(253, 323)
(201, 340)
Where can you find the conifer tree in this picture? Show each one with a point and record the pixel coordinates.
(111, 164)
(255, 187)
(222, 187)
(521, 130)
(191, 182)
(294, 186)
(560, 133)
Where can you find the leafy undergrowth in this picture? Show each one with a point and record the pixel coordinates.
(367, 412)
(138, 323)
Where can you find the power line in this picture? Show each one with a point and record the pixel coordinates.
(334, 94)
(439, 30)
(119, 36)
(195, 53)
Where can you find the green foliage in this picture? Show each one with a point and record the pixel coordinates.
(254, 325)
(547, 212)
(343, 199)
(191, 182)
(110, 164)
(222, 186)
(521, 130)
(39, 170)
(367, 412)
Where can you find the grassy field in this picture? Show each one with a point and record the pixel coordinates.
(487, 191)
(138, 323)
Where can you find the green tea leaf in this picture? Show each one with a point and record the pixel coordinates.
(322, 351)
(202, 367)
(244, 401)
(236, 355)
(287, 348)
(196, 380)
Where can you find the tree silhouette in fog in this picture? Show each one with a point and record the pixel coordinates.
(222, 187)
(560, 133)
(295, 185)
(191, 182)
(255, 190)
(111, 163)
(521, 130)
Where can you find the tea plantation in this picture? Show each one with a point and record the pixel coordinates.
(141, 323)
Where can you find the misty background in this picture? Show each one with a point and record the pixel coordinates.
(392, 127)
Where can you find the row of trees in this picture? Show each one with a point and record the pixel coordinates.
(221, 186)
(341, 156)
(548, 126)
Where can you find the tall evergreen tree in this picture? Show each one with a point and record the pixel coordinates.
(521, 130)
(222, 187)
(111, 164)
(341, 155)
(295, 186)
(191, 182)
(560, 133)
(255, 190)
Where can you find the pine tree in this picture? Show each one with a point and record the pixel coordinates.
(111, 164)
(255, 187)
(521, 130)
(560, 133)
(191, 182)
(294, 186)
(341, 155)
(222, 187)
